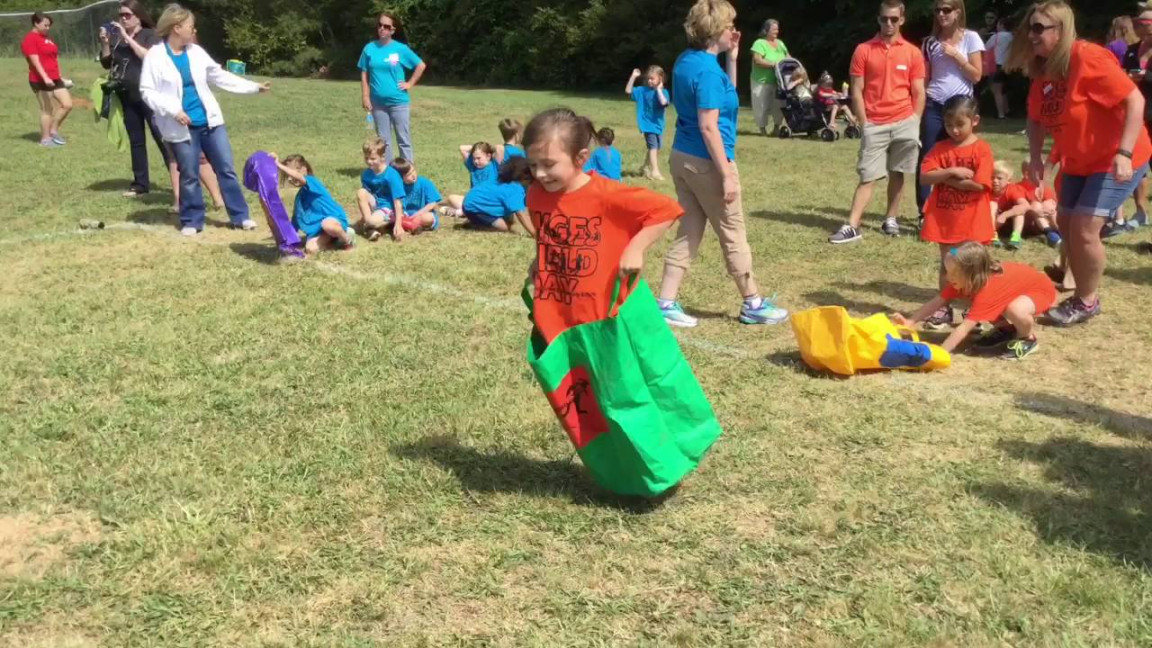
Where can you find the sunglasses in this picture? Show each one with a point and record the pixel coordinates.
(1038, 29)
(891, 20)
(945, 11)
(386, 26)
(1143, 21)
(126, 15)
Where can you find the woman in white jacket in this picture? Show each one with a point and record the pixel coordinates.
(175, 82)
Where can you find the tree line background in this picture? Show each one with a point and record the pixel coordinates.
(552, 44)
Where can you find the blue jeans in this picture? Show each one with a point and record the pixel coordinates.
(931, 131)
(216, 147)
(398, 118)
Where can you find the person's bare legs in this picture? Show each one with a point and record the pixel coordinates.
(1000, 99)
(208, 179)
(63, 108)
(654, 164)
(895, 193)
(1021, 314)
(943, 277)
(1086, 255)
(860, 201)
(44, 100)
(1141, 198)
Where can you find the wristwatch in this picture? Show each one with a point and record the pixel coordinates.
(1125, 152)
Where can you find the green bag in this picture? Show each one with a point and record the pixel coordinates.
(626, 396)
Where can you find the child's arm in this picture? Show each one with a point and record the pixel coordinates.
(526, 222)
(965, 185)
(631, 82)
(632, 260)
(958, 335)
(465, 151)
(935, 304)
(941, 176)
(289, 171)
(398, 232)
(501, 151)
(660, 94)
(1019, 209)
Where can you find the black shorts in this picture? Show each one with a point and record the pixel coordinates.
(1000, 76)
(38, 86)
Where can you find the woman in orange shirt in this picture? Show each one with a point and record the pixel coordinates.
(1095, 115)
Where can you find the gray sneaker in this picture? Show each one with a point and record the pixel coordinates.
(890, 227)
(1073, 311)
(846, 234)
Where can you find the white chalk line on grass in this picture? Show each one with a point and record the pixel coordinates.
(409, 281)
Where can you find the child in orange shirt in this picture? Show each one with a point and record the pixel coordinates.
(1025, 207)
(589, 230)
(960, 172)
(1011, 295)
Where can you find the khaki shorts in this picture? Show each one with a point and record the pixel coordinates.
(889, 148)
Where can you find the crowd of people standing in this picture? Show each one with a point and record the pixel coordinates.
(915, 106)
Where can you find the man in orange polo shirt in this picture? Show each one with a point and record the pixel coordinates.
(888, 96)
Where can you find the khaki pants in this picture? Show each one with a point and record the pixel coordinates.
(700, 191)
(766, 103)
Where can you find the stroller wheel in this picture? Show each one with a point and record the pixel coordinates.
(784, 132)
(828, 135)
(852, 132)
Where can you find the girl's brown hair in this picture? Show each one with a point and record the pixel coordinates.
(298, 162)
(655, 70)
(575, 132)
(515, 169)
(139, 11)
(483, 146)
(974, 265)
(1020, 56)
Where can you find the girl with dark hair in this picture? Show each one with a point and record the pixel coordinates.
(122, 54)
(43, 58)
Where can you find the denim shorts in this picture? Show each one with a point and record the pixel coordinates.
(1098, 194)
(653, 141)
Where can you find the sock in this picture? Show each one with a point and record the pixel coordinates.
(665, 303)
(754, 302)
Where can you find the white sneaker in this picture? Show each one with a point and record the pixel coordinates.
(248, 225)
(189, 231)
(674, 315)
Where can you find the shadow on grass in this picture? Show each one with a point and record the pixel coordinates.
(1098, 500)
(504, 472)
(267, 254)
(350, 172)
(892, 289)
(117, 184)
(829, 298)
(793, 361)
(1129, 426)
(825, 223)
(155, 216)
(30, 137)
(1138, 276)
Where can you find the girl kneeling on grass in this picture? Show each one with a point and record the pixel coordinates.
(1010, 295)
(317, 214)
(589, 230)
(493, 205)
(959, 170)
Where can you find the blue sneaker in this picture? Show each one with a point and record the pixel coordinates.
(767, 313)
(674, 315)
(60, 141)
(1053, 238)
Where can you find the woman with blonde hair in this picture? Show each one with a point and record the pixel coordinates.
(175, 83)
(1121, 36)
(703, 163)
(1095, 115)
(954, 59)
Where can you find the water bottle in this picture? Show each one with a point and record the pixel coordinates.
(89, 224)
(370, 122)
(844, 88)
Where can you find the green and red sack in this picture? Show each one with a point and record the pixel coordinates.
(626, 396)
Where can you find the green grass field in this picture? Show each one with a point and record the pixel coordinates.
(198, 447)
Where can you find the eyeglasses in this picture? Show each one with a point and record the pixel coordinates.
(1038, 29)
(891, 20)
(126, 15)
(386, 26)
(946, 11)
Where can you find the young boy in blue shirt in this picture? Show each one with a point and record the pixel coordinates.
(651, 102)
(511, 130)
(421, 198)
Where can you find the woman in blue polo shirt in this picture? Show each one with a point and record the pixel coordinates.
(703, 163)
(384, 65)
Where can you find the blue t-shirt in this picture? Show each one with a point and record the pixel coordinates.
(499, 200)
(386, 186)
(420, 194)
(701, 84)
(487, 175)
(386, 66)
(513, 151)
(606, 162)
(193, 107)
(313, 205)
(649, 110)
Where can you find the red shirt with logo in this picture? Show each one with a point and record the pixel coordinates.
(888, 71)
(1085, 113)
(37, 44)
(954, 215)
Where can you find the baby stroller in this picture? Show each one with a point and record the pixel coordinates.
(804, 116)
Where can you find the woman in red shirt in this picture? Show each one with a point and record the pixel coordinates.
(1095, 115)
(44, 77)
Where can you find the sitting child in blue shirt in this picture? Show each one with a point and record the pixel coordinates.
(478, 161)
(317, 215)
(605, 160)
(495, 205)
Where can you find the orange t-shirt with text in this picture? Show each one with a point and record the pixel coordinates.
(580, 237)
(1003, 288)
(954, 215)
(887, 72)
(1025, 191)
(1084, 113)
